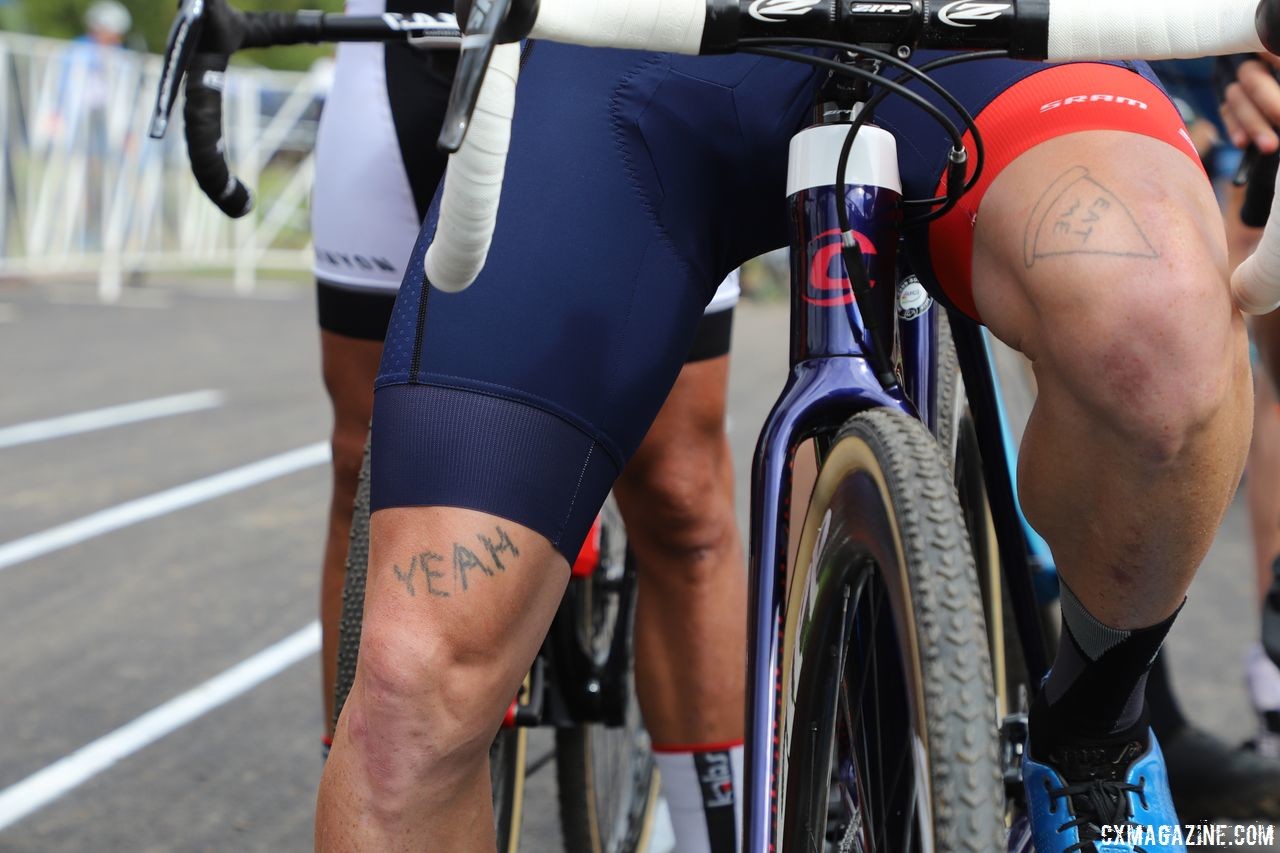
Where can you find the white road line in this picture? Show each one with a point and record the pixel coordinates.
(150, 300)
(44, 786)
(144, 410)
(161, 503)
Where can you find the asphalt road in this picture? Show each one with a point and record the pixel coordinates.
(177, 572)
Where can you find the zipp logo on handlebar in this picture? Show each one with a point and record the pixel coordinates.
(762, 9)
(420, 21)
(966, 13)
(879, 8)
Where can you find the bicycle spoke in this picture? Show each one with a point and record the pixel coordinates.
(864, 668)
(898, 777)
(855, 799)
(876, 701)
(867, 673)
(911, 820)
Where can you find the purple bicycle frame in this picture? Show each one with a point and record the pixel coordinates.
(831, 380)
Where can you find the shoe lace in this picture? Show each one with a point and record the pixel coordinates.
(1098, 803)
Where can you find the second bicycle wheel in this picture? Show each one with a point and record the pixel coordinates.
(888, 738)
(957, 434)
(606, 776)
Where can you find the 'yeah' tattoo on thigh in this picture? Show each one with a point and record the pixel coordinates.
(442, 578)
(1077, 215)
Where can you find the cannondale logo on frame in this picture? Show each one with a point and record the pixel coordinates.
(762, 9)
(966, 13)
(828, 280)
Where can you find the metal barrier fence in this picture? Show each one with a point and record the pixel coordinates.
(83, 190)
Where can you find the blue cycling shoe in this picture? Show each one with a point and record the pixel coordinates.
(1112, 798)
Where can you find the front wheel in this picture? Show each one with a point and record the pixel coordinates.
(887, 734)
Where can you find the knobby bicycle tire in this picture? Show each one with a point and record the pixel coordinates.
(353, 591)
(958, 438)
(608, 785)
(507, 756)
(885, 675)
(949, 399)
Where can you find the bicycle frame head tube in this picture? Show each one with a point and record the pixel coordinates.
(826, 319)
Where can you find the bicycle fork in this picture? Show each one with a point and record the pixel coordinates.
(832, 378)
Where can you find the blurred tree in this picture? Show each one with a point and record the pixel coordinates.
(151, 20)
(10, 14)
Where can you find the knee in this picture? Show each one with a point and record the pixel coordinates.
(679, 504)
(347, 444)
(422, 714)
(1159, 360)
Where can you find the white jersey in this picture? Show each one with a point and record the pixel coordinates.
(364, 217)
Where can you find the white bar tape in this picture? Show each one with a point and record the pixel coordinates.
(473, 181)
(673, 26)
(1255, 285)
(1150, 29)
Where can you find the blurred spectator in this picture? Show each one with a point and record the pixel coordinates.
(83, 84)
(80, 120)
(1251, 109)
(1190, 83)
(107, 23)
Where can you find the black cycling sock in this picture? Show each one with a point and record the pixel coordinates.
(1271, 616)
(1096, 688)
(1167, 719)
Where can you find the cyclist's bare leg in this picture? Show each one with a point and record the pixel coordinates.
(676, 495)
(1241, 239)
(1264, 455)
(456, 607)
(1264, 517)
(349, 366)
(1139, 434)
(1264, 451)
(1264, 497)
(1264, 506)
